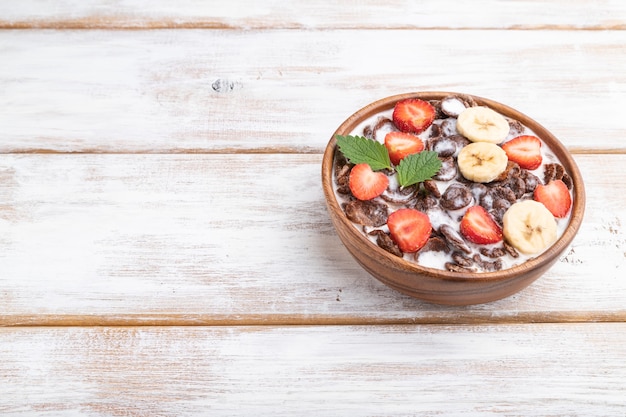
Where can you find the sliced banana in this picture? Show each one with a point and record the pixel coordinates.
(482, 161)
(481, 124)
(529, 227)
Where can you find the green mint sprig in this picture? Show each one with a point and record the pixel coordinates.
(358, 150)
(412, 169)
(418, 167)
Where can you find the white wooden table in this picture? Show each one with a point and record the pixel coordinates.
(164, 243)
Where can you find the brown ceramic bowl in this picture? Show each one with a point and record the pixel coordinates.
(441, 286)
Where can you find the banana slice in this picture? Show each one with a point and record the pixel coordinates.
(529, 227)
(481, 124)
(482, 161)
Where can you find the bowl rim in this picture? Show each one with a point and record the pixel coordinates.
(542, 260)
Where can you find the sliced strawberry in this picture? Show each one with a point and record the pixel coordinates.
(555, 196)
(525, 150)
(409, 228)
(479, 227)
(400, 144)
(366, 184)
(413, 115)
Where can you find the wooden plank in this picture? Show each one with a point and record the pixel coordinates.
(530, 370)
(315, 14)
(236, 239)
(191, 91)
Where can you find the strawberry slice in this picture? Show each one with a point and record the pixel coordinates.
(366, 184)
(413, 115)
(400, 144)
(409, 228)
(525, 150)
(555, 196)
(479, 227)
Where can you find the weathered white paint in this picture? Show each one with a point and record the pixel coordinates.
(209, 235)
(285, 90)
(109, 236)
(529, 370)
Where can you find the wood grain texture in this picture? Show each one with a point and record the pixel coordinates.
(200, 91)
(160, 166)
(206, 239)
(530, 370)
(314, 14)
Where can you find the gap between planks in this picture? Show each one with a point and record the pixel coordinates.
(87, 24)
(177, 151)
(243, 151)
(457, 317)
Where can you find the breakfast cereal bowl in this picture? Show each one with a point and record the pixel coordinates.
(477, 208)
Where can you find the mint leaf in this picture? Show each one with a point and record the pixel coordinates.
(359, 149)
(418, 167)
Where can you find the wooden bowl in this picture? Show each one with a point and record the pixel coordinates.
(442, 286)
